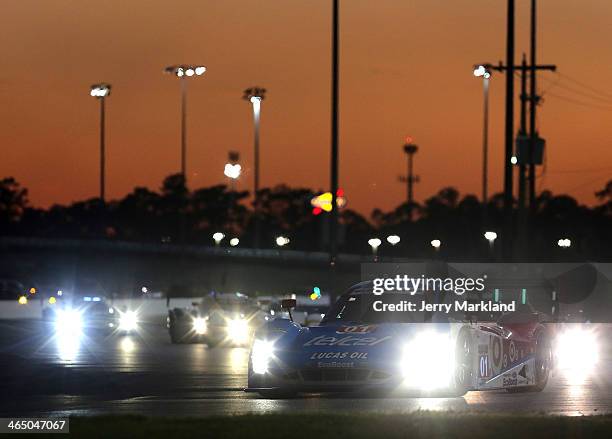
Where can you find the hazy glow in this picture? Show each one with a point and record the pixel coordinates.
(23, 300)
(128, 321)
(68, 322)
(238, 330)
(261, 354)
(427, 361)
(127, 345)
(200, 326)
(577, 350)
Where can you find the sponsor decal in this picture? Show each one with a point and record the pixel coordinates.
(338, 364)
(339, 355)
(326, 340)
(509, 379)
(356, 329)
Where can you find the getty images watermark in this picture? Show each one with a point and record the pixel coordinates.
(565, 292)
(421, 285)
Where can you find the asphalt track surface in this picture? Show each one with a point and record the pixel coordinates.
(145, 374)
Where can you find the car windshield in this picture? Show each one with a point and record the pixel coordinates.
(358, 308)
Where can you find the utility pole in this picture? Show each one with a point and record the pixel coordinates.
(533, 102)
(522, 134)
(509, 133)
(410, 149)
(333, 235)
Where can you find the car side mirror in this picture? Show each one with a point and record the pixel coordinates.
(288, 304)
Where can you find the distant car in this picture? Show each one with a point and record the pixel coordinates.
(229, 319)
(89, 314)
(358, 349)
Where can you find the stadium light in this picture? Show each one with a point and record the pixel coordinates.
(564, 243)
(255, 95)
(232, 171)
(101, 92)
(393, 239)
(282, 241)
(183, 72)
(218, 237)
(436, 243)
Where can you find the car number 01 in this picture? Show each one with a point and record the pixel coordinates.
(484, 366)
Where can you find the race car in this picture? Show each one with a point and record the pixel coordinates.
(229, 319)
(365, 344)
(89, 314)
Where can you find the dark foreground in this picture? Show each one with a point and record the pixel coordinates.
(421, 424)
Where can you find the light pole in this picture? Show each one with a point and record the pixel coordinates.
(491, 237)
(183, 72)
(374, 243)
(100, 92)
(484, 73)
(218, 237)
(255, 95)
(436, 243)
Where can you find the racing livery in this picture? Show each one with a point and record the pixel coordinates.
(358, 349)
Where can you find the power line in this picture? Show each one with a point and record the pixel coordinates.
(581, 103)
(588, 95)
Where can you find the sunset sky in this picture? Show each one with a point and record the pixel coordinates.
(405, 69)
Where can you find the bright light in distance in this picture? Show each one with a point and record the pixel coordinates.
(23, 300)
(238, 330)
(577, 350)
(427, 362)
(128, 321)
(564, 243)
(234, 242)
(218, 237)
(60, 293)
(281, 241)
(190, 72)
(436, 243)
(52, 300)
(200, 70)
(261, 354)
(490, 236)
(200, 326)
(99, 90)
(68, 322)
(393, 239)
(480, 71)
(513, 160)
(374, 243)
(232, 171)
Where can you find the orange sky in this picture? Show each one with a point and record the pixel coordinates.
(405, 69)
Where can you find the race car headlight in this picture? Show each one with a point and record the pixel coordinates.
(261, 354)
(427, 361)
(200, 326)
(128, 321)
(238, 330)
(68, 321)
(577, 349)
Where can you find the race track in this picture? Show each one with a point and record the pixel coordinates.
(145, 374)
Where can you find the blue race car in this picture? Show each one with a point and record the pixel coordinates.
(365, 344)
